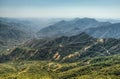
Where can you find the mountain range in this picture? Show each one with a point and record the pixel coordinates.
(74, 49)
(108, 31)
(90, 26)
(69, 28)
(65, 48)
(83, 34)
(14, 31)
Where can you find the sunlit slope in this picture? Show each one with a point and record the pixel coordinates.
(94, 68)
(66, 49)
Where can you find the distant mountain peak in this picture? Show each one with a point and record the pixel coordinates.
(61, 22)
(85, 20)
(105, 31)
(69, 28)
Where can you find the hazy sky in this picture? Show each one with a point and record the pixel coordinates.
(60, 8)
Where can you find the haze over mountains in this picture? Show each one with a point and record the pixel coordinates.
(53, 27)
(14, 31)
(71, 27)
(108, 31)
(76, 26)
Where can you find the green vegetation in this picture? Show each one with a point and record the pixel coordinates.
(66, 57)
(95, 68)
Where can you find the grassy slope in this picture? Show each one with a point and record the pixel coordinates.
(94, 68)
